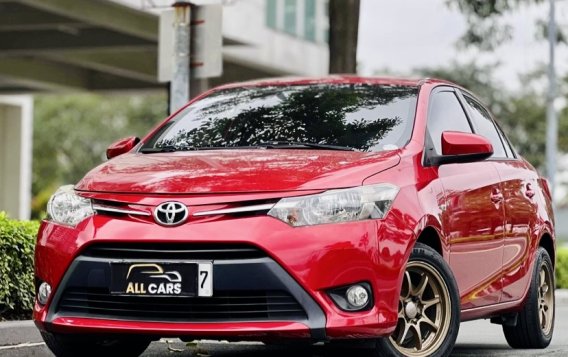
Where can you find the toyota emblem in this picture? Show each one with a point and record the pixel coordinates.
(171, 213)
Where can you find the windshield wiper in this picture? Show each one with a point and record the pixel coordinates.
(268, 145)
(171, 148)
(282, 144)
(167, 148)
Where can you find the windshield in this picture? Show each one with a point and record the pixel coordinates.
(362, 117)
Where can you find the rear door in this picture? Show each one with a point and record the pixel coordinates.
(473, 213)
(519, 182)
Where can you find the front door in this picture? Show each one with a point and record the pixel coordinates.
(473, 224)
(473, 213)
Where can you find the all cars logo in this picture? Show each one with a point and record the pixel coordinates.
(153, 280)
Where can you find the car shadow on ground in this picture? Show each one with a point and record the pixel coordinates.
(159, 349)
(257, 350)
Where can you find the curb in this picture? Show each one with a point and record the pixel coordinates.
(18, 332)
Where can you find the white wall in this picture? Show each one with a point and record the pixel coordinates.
(245, 21)
(16, 118)
(264, 48)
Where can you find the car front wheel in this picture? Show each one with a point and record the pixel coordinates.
(428, 309)
(92, 345)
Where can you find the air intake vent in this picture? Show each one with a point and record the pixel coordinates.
(225, 306)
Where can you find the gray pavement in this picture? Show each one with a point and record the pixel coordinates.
(476, 338)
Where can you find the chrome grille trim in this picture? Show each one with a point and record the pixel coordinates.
(253, 208)
(103, 208)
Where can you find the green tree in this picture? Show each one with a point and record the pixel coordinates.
(487, 26)
(72, 132)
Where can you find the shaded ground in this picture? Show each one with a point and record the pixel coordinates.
(476, 338)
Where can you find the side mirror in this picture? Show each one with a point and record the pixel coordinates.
(122, 146)
(458, 147)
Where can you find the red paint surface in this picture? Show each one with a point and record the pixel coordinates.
(223, 171)
(121, 147)
(456, 143)
(489, 216)
(241, 330)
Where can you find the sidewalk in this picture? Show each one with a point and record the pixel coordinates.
(24, 332)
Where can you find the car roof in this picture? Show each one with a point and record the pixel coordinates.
(336, 79)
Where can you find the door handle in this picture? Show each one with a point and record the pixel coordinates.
(496, 197)
(529, 192)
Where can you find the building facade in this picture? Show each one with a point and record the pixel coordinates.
(16, 115)
(289, 36)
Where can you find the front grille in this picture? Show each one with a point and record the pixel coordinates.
(248, 286)
(178, 251)
(224, 306)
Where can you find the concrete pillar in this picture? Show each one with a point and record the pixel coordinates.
(198, 86)
(16, 118)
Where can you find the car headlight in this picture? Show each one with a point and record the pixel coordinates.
(344, 205)
(66, 207)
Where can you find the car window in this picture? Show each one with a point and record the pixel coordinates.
(446, 114)
(508, 148)
(484, 126)
(360, 116)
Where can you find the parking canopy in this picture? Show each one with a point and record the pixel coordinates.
(94, 45)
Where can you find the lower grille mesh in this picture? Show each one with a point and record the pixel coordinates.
(225, 306)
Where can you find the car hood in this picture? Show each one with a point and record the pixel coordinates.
(232, 171)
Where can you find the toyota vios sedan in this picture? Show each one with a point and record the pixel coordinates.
(310, 210)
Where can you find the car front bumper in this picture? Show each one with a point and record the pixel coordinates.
(304, 263)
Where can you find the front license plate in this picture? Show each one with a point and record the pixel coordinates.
(162, 279)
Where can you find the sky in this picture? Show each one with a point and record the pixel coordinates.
(405, 34)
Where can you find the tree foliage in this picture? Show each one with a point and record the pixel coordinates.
(486, 25)
(17, 240)
(72, 132)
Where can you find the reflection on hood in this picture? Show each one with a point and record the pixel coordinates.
(222, 171)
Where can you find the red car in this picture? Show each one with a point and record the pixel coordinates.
(307, 209)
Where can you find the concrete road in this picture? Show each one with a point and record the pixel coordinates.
(476, 338)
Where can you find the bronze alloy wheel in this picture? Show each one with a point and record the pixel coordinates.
(424, 311)
(545, 298)
(535, 319)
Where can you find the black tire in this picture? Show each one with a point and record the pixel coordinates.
(92, 345)
(529, 331)
(442, 342)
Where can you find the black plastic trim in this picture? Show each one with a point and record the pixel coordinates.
(229, 275)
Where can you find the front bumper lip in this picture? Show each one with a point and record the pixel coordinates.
(240, 330)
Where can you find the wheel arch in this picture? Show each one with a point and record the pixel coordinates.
(430, 237)
(429, 232)
(547, 242)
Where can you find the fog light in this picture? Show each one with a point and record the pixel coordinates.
(354, 297)
(43, 293)
(357, 296)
